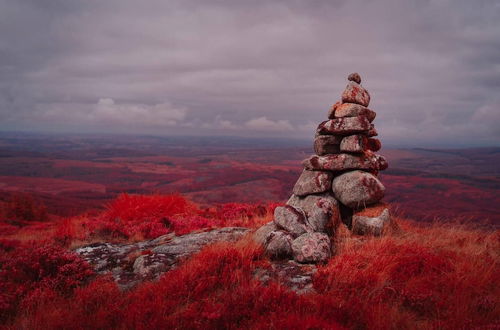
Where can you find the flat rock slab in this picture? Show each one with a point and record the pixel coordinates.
(298, 277)
(344, 126)
(312, 182)
(355, 93)
(162, 254)
(357, 189)
(342, 162)
(353, 110)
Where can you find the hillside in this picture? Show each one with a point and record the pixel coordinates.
(433, 276)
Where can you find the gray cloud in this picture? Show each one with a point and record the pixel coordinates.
(251, 67)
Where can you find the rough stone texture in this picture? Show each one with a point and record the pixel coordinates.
(298, 277)
(260, 235)
(355, 93)
(357, 189)
(341, 162)
(372, 131)
(164, 253)
(322, 211)
(278, 245)
(354, 77)
(373, 144)
(377, 218)
(344, 126)
(354, 143)
(311, 182)
(327, 144)
(353, 110)
(291, 220)
(333, 108)
(312, 248)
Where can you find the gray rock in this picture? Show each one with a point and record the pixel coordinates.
(322, 211)
(375, 225)
(260, 235)
(354, 143)
(355, 93)
(128, 266)
(311, 182)
(341, 162)
(312, 248)
(278, 245)
(327, 144)
(357, 189)
(344, 126)
(354, 77)
(291, 220)
(353, 110)
(333, 109)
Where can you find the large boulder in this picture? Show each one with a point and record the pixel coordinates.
(311, 182)
(327, 144)
(355, 93)
(322, 211)
(357, 189)
(353, 110)
(291, 220)
(341, 162)
(373, 220)
(345, 126)
(312, 248)
(279, 245)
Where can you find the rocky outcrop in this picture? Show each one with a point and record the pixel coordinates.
(337, 183)
(130, 264)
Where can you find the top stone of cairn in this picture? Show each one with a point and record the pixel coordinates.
(354, 77)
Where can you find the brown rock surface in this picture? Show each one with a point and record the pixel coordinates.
(342, 162)
(354, 143)
(354, 77)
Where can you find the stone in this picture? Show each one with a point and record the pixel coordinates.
(354, 77)
(312, 248)
(373, 144)
(322, 211)
(354, 143)
(327, 144)
(311, 182)
(162, 254)
(341, 162)
(260, 235)
(355, 93)
(278, 245)
(333, 109)
(356, 189)
(353, 110)
(344, 126)
(372, 131)
(291, 220)
(373, 220)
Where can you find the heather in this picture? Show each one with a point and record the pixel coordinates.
(434, 276)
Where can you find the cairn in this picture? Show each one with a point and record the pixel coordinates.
(338, 184)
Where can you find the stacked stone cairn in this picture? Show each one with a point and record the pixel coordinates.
(338, 184)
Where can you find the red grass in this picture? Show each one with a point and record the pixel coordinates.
(440, 276)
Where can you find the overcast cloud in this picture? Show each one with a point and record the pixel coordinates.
(252, 68)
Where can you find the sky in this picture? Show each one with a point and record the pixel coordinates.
(257, 68)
